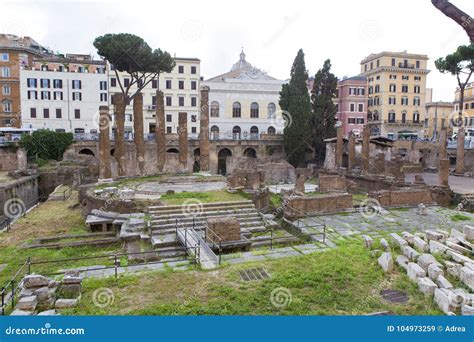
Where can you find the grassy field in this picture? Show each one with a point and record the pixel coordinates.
(203, 196)
(48, 220)
(342, 281)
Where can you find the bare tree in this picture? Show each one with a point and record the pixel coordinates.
(459, 16)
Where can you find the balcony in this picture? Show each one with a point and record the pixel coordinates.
(406, 65)
(404, 122)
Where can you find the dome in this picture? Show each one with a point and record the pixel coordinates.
(242, 63)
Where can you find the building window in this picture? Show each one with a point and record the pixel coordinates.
(168, 84)
(58, 95)
(417, 89)
(113, 82)
(393, 88)
(181, 101)
(236, 110)
(193, 70)
(181, 69)
(45, 95)
(352, 107)
(193, 85)
(126, 82)
(404, 101)
(46, 113)
(215, 132)
(59, 113)
(76, 84)
(360, 121)
(33, 113)
(103, 97)
(271, 110)
(45, 83)
(405, 77)
(417, 78)
(394, 62)
(5, 57)
(6, 90)
(7, 106)
(416, 117)
(416, 101)
(181, 84)
(58, 84)
(214, 109)
(391, 116)
(271, 130)
(31, 82)
(154, 84)
(193, 130)
(193, 118)
(168, 130)
(193, 101)
(77, 113)
(76, 96)
(169, 101)
(32, 95)
(5, 72)
(377, 88)
(360, 108)
(404, 117)
(351, 121)
(169, 118)
(103, 85)
(418, 64)
(392, 100)
(254, 110)
(404, 89)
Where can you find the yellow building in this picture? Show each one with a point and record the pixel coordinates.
(396, 93)
(468, 111)
(438, 117)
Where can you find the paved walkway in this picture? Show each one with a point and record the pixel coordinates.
(460, 185)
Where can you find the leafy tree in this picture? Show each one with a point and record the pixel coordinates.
(323, 118)
(45, 144)
(131, 54)
(461, 65)
(296, 106)
(461, 18)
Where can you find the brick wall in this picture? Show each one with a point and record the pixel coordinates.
(226, 228)
(299, 206)
(402, 197)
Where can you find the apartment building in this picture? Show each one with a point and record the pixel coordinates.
(180, 88)
(437, 118)
(396, 93)
(63, 93)
(351, 103)
(468, 110)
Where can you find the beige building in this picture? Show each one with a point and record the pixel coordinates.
(396, 93)
(436, 118)
(468, 111)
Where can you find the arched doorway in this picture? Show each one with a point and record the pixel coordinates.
(87, 152)
(197, 160)
(250, 153)
(222, 161)
(271, 130)
(172, 150)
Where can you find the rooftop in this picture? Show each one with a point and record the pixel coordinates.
(403, 54)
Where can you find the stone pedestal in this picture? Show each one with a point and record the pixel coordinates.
(379, 165)
(442, 144)
(339, 147)
(365, 149)
(138, 128)
(443, 173)
(460, 152)
(204, 130)
(351, 152)
(105, 170)
(183, 140)
(223, 229)
(160, 131)
(299, 186)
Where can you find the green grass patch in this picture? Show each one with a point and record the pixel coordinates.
(460, 217)
(179, 198)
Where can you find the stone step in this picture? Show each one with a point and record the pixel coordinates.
(184, 212)
(246, 231)
(203, 218)
(204, 205)
(243, 223)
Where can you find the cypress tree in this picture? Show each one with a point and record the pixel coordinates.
(296, 105)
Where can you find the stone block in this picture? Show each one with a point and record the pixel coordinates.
(444, 283)
(71, 290)
(453, 268)
(458, 257)
(385, 245)
(415, 271)
(467, 310)
(27, 303)
(425, 260)
(433, 235)
(437, 247)
(386, 262)
(434, 271)
(18, 312)
(48, 313)
(426, 285)
(456, 234)
(72, 280)
(458, 248)
(401, 242)
(25, 293)
(368, 241)
(410, 253)
(402, 261)
(227, 228)
(468, 232)
(408, 237)
(35, 280)
(467, 277)
(420, 245)
(66, 303)
(441, 298)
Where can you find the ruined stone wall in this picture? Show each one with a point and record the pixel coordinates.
(299, 206)
(24, 189)
(404, 197)
(328, 183)
(226, 229)
(12, 158)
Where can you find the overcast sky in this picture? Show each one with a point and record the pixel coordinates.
(271, 31)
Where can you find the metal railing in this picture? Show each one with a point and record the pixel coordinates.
(216, 241)
(10, 290)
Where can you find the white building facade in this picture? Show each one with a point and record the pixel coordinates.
(63, 100)
(244, 103)
(180, 89)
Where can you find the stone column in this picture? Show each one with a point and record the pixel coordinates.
(443, 172)
(365, 149)
(160, 131)
(119, 153)
(339, 147)
(460, 152)
(183, 140)
(443, 137)
(379, 164)
(105, 170)
(138, 128)
(204, 130)
(351, 152)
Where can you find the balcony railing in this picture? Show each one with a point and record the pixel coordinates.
(406, 65)
(404, 122)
